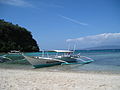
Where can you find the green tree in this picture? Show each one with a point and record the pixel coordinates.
(14, 37)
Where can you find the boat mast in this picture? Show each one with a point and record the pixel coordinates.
(68, 46)
(74, 47)
(43, 52)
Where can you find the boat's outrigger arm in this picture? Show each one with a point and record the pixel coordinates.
(61, 61)
(79, 59)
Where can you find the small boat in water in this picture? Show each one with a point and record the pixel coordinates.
(62, 57)
(38, 62)
(3, 59)
(14, 52)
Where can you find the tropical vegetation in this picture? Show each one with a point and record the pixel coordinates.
(15, 37)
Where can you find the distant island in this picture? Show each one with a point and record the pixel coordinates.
(105, 47)
(14, 37)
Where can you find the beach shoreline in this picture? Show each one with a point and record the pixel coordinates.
(57, 68)
(40, 79)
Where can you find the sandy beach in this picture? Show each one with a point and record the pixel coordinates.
(15, 79)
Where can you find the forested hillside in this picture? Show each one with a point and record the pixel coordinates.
(14, 37)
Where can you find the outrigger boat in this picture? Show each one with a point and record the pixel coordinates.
(63, 57)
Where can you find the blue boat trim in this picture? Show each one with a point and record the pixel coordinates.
(53, 64)
(85, 62)
(46, 65)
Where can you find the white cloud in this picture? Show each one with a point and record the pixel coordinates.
(50, 5)
(97, 40)
(16, 3)
(73, 20)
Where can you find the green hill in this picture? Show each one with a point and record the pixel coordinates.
(14, 37)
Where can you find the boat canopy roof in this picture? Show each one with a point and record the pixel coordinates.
(14, 51)
(64, 51)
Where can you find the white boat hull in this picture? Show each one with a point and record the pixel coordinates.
(42, 62)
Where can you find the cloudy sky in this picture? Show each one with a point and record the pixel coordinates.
(52, 22)
(96, 40)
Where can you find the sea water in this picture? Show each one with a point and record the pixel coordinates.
(104, 61)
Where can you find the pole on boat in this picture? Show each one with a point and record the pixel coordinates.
(68, 46)
(43, 53)
(74, 47)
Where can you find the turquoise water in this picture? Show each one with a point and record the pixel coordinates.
(105, 61)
